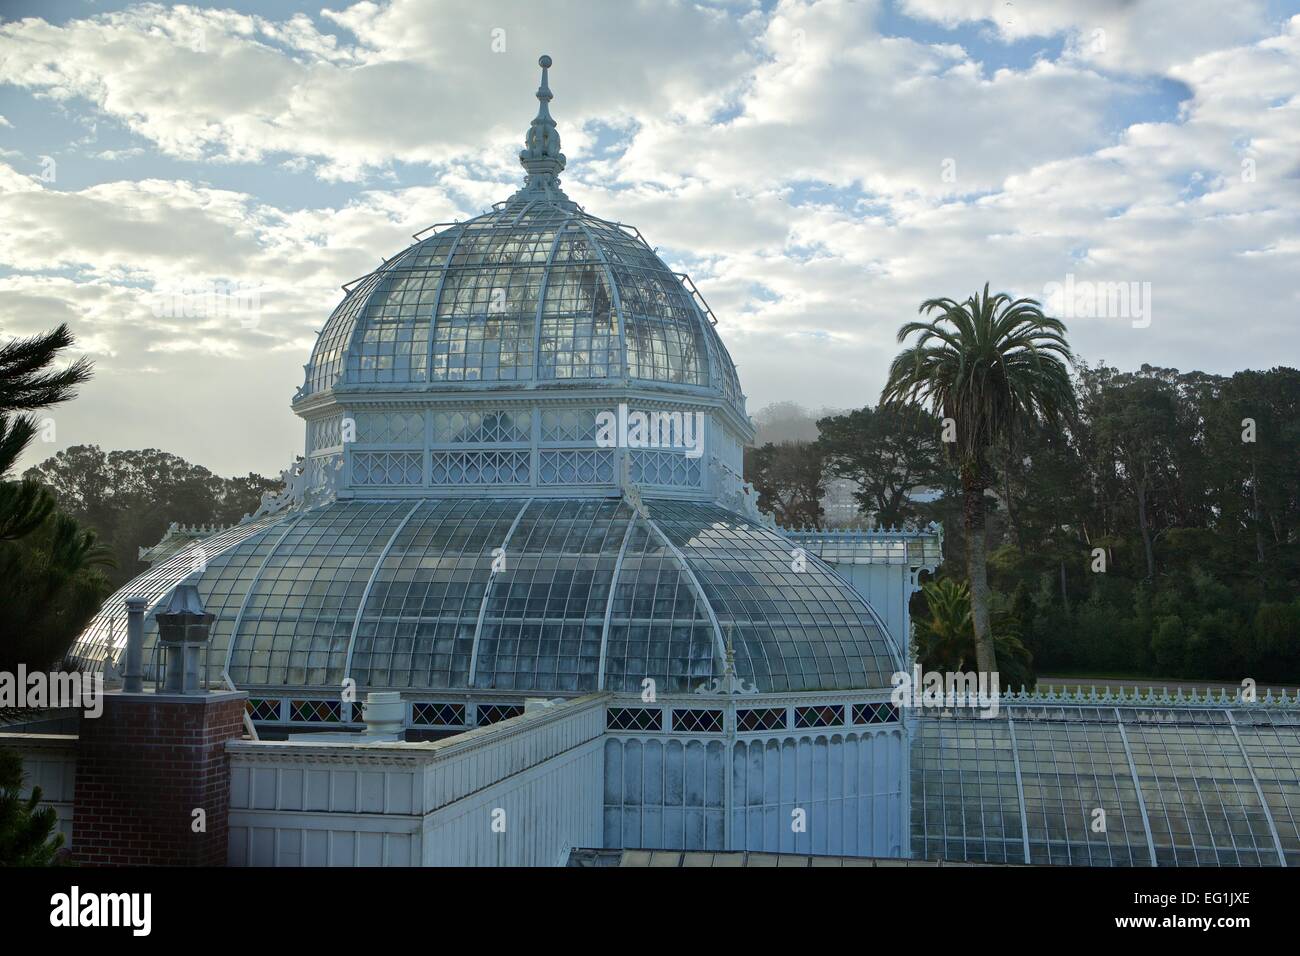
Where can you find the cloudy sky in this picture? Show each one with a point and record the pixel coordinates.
(818, 166)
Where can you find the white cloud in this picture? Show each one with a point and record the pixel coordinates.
(838, 103)
(791, 160)
(1150, 36)
(414, 80)
(130, 267)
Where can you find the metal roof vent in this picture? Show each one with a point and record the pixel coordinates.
(184, 629)
(385, 714)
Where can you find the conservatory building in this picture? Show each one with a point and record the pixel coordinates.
(519, 516)
(521, 479)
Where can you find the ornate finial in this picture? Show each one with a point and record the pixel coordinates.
(541, 155)
(729, 682)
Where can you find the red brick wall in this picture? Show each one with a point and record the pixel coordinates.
(143, 767)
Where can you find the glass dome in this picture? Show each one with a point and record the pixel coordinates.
(460, 523)
(586, 595)
(536, 292)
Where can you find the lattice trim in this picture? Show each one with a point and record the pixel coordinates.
(386, 468)
(697, 721)
(569, 425)
(316, 711)
(435, 714)
(819, 715)
(479, 468)
(576, 467)
(495, 713)
(760, 718)
(263, 708)
(881, 713)
(474, 427)
(634, 718)
(325, 433)
(390, 428)
(672, 469)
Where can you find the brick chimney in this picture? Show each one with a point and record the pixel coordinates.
(153, 779)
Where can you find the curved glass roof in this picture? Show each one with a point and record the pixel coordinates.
(535, 291)
(1179, 785)
(585, 595)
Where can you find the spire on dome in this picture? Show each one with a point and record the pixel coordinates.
(541, 155)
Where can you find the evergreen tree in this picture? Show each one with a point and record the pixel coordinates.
(28, 834)
(49, 582)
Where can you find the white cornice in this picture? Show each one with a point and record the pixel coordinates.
(650, 394)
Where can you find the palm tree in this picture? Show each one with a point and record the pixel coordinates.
(988, 366)
(50, 582)
(27, 383)
(945, 636)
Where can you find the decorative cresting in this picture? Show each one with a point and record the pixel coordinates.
(1151, 695)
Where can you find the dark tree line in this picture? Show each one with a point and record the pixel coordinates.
(887, 452)
(790, 478)
(1156, 532)
(130, 497)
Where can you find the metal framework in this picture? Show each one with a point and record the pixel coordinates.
(464, 292)
(517, 311)
(487, 593)
(1066, 780)
(400, 595)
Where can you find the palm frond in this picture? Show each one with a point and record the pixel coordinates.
(15, 435)
(24, 507)
(25, 379)
(993, 363)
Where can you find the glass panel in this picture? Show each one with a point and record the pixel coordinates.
(1272, 742)
(298, 621)
(657, 629)
(477, 286)
(662, 325)
(546, 609)
(467, 425)
(223, 564)
(327, 357)
(393, 345)
(1201, 801)
(542, 631)
(417, 629)
(488, 308)
(579, 334)
(389, 428)
(792, 630)
(964, 801)
(1070, 771)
